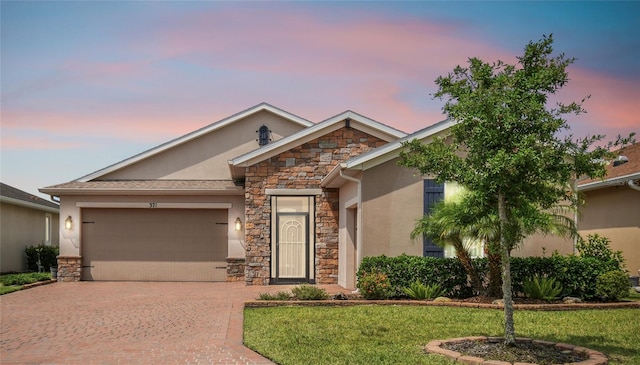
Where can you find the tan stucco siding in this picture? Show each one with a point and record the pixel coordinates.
(543, 245)
(614, 213)
(392, 201)
(348, 235)
(207, 157)
(21, 227)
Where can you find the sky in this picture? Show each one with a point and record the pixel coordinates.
(85, 84)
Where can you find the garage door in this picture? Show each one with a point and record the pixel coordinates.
(154, 244)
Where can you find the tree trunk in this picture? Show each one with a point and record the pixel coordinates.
(492, 252)
(465, 259)
(505, 250)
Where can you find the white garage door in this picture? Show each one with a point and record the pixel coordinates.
(154, 244)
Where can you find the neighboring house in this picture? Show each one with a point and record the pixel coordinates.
(612, 206)
(25, 220)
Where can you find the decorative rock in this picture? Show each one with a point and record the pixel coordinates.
(498, 302)
(571, 300)
(442, 299)
(339, 296)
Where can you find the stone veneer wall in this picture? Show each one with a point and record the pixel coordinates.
(302, 167)
(235, 269)
(69, 268)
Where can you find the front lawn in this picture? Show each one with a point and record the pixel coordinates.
(397, 334)
(13, 282)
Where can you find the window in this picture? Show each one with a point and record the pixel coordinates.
(263, 135)
(47, 229)
(453, 192)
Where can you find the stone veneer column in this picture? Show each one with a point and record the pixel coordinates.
(302, 167)
(69, 268)
(235, 269)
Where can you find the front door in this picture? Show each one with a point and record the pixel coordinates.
(293, 236)
(291, 245)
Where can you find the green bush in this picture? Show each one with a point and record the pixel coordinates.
(404, 270)
(542, 288)
(309, 292)
(48, 257)
(281, 295)
(597, 246)
(576, 274)
(419, 291)
(22, 279)
(612, 286)
(375, 285)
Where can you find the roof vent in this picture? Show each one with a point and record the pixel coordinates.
(264, 135)
(620, 160)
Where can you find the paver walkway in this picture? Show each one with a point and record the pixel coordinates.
(127, 323)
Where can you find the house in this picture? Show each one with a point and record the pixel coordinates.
(263, 196)
(25, 220)
(612, 206)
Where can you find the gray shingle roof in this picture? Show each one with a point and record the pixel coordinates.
(13, 193)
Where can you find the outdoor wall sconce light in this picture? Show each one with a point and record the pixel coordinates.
(68, 223)
(238, 225)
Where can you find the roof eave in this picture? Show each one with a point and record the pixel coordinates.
(621, 180)
(88, 191)
(25, 204)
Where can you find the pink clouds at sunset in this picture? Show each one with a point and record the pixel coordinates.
(96, 82)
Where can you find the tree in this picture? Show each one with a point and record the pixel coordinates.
(506, 145)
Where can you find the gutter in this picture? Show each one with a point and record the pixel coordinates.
(633, 185)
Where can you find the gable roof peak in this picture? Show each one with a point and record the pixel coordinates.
(263, 106)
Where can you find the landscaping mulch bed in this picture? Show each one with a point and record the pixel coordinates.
(527, 352)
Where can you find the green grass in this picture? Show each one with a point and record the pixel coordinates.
(397, 334)
(14, 282)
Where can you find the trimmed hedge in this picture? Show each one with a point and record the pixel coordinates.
(405, 270)
(578, 275)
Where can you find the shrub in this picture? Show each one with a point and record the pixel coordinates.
(542, 288)
(404, 270)
(281, 295)
(419, 291)
(48, 257)
(22, 279)
(612, 286)
(597, 246)
(309, 292)
(375, 285)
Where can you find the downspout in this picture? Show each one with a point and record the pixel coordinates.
(631, 184)
(358, 218)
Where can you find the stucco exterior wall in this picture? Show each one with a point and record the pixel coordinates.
(21, 227)
(206, 157)
(302, 167)
(392, 201)
(348, 235)
(614, 213)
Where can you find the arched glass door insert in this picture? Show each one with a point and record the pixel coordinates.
(292, 246)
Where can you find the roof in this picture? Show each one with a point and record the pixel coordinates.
(147, 187)
(382, 154)
(198, 133)
(617, 175)
(356, 120)
(9, 194)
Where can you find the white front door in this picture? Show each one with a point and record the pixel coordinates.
(292, 231)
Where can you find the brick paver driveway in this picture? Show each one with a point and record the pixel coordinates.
(125, 323)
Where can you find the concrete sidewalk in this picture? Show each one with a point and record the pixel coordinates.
(127, 322)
